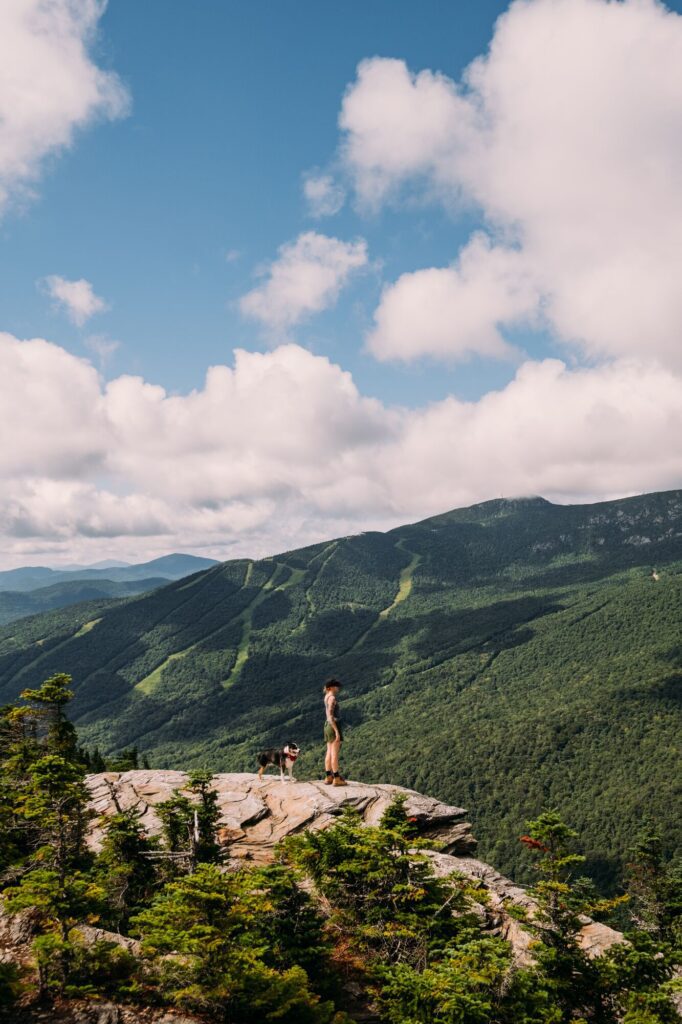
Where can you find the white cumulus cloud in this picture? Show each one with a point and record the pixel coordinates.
(50, 85)
(453, 312)
(306, 278)
(398, 125)
(76, 298)
(281, 449)
(567, 135)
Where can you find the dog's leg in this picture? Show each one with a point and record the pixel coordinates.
(281, 774)
(290, 769)
(260, 771)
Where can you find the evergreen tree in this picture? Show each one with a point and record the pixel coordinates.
(48, 704)
(45, 798)
(207, 849)
(203, 944)
(124, 869)
(655, 889)
(189, 825)
(290, 932)
(562, 904)
(381, 885)
(629, 982)
(54, 807)
(97, 763)
(126, 761)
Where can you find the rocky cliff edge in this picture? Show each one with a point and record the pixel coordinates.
(255, 814)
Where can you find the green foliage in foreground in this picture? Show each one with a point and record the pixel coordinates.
(281, 943)
(504, 658)
(428, 958)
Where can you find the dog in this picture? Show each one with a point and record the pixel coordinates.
(284, 758)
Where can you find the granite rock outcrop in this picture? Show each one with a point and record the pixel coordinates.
(255, 814)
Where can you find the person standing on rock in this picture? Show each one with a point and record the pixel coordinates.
(332, 734)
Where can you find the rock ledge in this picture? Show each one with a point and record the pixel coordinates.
(255, 814)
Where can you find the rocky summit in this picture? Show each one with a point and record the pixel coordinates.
(257, 813)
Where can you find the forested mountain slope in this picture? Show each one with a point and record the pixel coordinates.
(167, 567)
(18, 604)
(506, 657)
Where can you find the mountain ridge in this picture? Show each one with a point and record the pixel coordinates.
(173, 566)
(40, 589)
(20, 604)
(522, 648)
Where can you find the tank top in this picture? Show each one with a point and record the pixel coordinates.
(331, 706)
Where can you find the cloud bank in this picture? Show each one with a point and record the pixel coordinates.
(50, 87)
(567, 137)
(438, 311)
(282, 448)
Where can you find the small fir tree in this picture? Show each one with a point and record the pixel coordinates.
(204, 948)
(125, 869)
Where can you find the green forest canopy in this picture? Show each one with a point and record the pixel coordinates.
(506, 657)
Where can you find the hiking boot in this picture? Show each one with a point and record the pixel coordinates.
(339, 781)
(329, 778)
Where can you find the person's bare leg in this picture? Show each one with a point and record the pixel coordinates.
(329, 774)
(338, 779)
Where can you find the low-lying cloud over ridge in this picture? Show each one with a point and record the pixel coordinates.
(282, 449)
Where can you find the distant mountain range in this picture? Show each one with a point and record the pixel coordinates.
(505, 657)
(32, 589)
(106, 563)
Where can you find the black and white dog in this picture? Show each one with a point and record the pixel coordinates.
(284, 758)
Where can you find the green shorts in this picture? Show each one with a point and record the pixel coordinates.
(329, 734)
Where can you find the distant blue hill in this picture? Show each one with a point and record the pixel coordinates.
(106, 563)
(16, 604)
(168, 567)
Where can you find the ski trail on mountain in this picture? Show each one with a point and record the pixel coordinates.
(403, 592)
(150, 682)
(137, 639)
(326, 554)
(247, 616)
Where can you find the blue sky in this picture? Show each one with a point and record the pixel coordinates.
(489, 304)
(231, 104)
